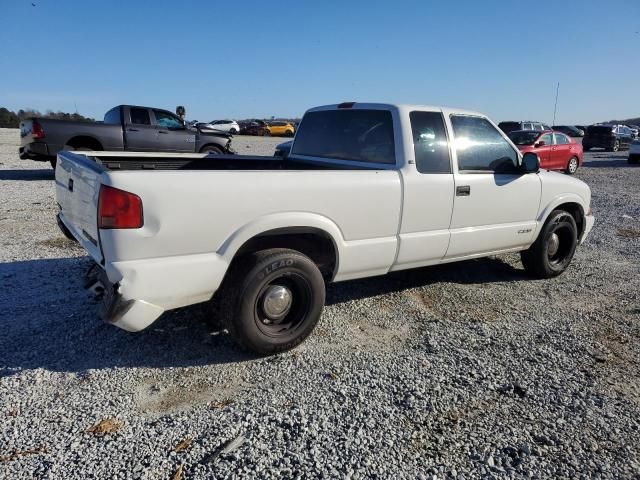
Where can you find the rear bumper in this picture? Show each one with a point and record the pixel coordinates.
(135, 293)
(36, 151)
(129, 314)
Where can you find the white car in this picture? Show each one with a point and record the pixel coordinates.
(366, 189)
(634, 151)
(229, 126)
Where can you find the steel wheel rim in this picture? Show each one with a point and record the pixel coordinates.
(573, 165)
(284, 316)
(559, 244)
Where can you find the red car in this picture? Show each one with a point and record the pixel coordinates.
(556, 150)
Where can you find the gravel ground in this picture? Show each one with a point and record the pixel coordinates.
(464, 371)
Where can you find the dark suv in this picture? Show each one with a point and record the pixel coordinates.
(508, 127)
(610, 137)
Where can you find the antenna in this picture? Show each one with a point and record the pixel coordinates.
(75, 105)
(555, 107)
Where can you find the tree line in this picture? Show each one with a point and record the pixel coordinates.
(10, 119)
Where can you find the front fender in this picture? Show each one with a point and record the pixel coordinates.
(554, 203)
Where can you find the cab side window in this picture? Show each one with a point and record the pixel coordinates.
(430, 143)
(547, 139)
(140, 116)
(167, 120)
(480, 147)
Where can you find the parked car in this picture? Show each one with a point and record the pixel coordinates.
(278, 128)
(125, 128)
(570, 130)
(508, 127)
(635, 130)
(367, 189)
(556, 150)
(257, 127)
(230, 126)
(634, 152)
(610, 137)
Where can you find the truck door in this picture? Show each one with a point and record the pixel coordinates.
(139, 133)
(173, 136)
(428, 193)
(495, 205)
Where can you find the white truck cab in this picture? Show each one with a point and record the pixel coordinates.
(366, 189)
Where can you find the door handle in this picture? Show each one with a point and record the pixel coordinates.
(463, 191)
(70, 185)
(132, 129)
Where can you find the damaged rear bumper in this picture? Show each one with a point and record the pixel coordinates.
(129, 314)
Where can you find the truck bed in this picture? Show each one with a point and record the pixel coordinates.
(174, 161)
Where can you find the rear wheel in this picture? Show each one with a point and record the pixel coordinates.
(53, 162)
(272, 300)
(572, 166)
(616, 146)
(633, 159)
(233, 131)
(551, 253)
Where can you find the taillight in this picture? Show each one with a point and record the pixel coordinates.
(36, 130)
(119, 209)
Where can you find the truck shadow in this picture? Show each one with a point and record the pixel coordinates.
(27, 175)
(48, 321)
(484, 270)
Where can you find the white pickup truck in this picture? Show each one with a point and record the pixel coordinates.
(366, 189)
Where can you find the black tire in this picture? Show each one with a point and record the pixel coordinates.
(53, 162)
(547, 257)
(245, 294)
(289, 133)
(633, 159)
(212, 149)
(266, 133)
(233, 131)
(572, 166)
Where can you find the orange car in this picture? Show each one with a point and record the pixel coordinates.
(281, 128)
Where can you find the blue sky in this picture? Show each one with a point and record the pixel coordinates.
(243, 58)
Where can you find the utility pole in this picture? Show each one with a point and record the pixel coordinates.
(555, 107)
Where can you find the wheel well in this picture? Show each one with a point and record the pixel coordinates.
(211, 145)
(312, 242)
(575, 210)
(84, 142)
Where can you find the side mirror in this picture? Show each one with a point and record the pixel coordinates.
(530, 163)
(540, 144)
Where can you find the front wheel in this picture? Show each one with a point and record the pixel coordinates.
(212, 150)
(551, 253)
(572, 166)
(272, 300)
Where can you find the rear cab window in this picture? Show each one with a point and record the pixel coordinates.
(140, 116)
(430, 143)
(359, 135)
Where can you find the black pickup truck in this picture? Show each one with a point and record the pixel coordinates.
(125, 128)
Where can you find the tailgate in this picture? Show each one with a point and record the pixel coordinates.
(25, 132)
(77, 190)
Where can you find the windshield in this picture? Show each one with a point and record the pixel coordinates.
(524, 138)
